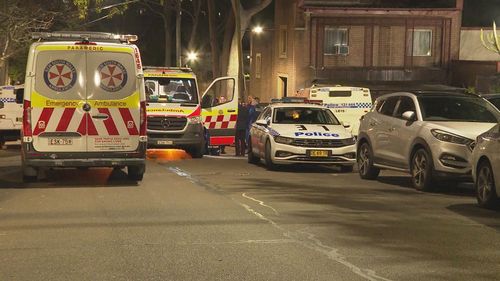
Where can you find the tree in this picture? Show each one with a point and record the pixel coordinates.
(492, 40)
(18, 19)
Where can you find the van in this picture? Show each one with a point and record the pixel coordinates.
(173, 109)
(11, 113)
(84, 104)
(347, 103)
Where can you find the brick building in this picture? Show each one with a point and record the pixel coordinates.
(350, 42)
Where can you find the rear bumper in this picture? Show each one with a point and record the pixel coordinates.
(34, 158)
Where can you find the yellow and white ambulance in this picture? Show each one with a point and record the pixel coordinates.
(173, 109)
(179, 117)
(84, 103)
(11, 113)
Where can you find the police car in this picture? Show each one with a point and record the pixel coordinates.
(294, 131)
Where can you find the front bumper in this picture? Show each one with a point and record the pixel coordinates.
(451, 160)
(345, 155)
(32, 158)
(192, 135)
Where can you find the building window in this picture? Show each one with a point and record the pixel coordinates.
(283, 41)
(336, 41)
(422, 42)
(258, 65)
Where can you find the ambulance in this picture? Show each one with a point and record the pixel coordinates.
(174, 110)
(84, 104)
(11, 113)
(346, 102)
(179, 117)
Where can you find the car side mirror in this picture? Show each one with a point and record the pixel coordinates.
(262, 122)
(345, 124)
(409, 116)
(19, 95)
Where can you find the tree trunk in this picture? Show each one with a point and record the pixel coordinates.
(178, 21)
(226, 44)
(194, 28)
(213, 40)
(167, 18)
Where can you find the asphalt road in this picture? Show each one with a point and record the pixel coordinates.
(223, 219)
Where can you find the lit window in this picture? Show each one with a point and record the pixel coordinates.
(258, 65)
(422, 42)
(336, 41)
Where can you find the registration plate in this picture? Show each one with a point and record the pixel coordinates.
(319, 153)
(60, 141)
(164, 142)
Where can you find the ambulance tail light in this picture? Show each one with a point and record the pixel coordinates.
(143, 125)
(27, 119)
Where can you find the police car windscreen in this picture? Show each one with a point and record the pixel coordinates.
(171, 90)
(304, 115)
(340, 94)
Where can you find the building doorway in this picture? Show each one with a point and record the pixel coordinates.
(282, 86)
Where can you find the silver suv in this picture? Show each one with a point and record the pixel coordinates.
(428, 134)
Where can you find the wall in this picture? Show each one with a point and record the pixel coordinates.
(471, 47)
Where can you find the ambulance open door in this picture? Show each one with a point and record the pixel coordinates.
(220, 111)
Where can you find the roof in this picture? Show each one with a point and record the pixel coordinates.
(434, 93)
(291, 105)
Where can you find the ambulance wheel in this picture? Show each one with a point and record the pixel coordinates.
(30, 174)
(136, 173)
(252, 158)
(196, 151)
(269, 161)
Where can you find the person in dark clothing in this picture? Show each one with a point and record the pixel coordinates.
(241, 128)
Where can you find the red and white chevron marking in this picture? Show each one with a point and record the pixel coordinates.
(120, 120)
(221, 121)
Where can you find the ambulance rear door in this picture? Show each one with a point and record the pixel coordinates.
(57, 99)
(113, 95)
(220, 110)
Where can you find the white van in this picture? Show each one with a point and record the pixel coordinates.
(347, 103)
(84, 104)
(11, 113)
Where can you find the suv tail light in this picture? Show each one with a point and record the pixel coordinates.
(143, 126)
(27, 119)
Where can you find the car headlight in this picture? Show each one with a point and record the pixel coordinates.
(349, 141)
(449, 137)
(283, 140)
(194, 120)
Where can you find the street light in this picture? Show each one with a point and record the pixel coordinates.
(258, 29)
(192, 56)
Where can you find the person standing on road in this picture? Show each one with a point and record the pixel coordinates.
(241, 129)
(251, 115)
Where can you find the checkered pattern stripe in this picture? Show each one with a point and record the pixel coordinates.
(350, 105)
(221, 121)
(7, 99)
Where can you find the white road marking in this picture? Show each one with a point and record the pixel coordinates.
(260, 203)
(309, 241)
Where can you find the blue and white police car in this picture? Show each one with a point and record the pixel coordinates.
(294, 131)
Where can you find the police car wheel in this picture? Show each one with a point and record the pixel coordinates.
(252, 158)
(365, 163)
(136, 173)
(30, 174)
(269, 162)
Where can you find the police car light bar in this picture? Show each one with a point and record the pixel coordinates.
(84, 35)
(290, 100)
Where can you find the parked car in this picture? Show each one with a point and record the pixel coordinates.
(430, 135)
(295, 132)
(486, 171)
(494, 99)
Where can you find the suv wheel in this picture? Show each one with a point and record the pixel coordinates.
(421, 170)
(365, 163)
(485, 186)
(30, 174)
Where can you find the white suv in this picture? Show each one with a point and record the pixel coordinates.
(428, 134)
